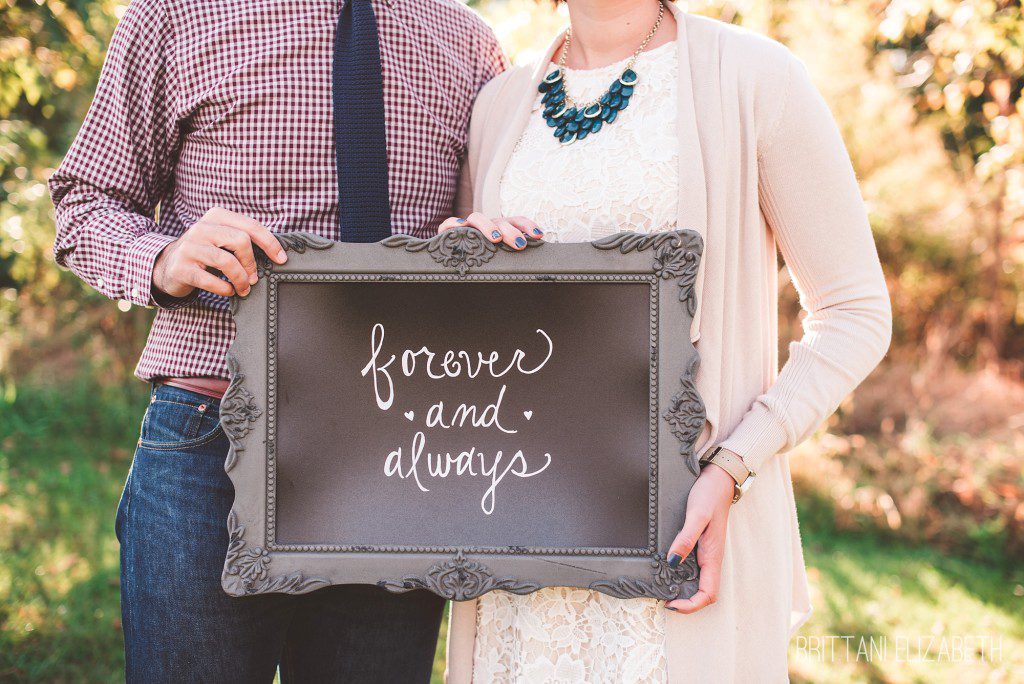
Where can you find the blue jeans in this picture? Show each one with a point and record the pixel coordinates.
(180, 626)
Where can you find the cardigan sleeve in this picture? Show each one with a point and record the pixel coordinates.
(484, 121)
(810, 199)
(465, 192)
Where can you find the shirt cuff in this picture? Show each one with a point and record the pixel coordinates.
(139, 288)
(758, 436)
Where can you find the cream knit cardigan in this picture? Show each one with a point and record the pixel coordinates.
(762, 165)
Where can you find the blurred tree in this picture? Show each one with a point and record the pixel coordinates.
(50, 55)
(963, 63)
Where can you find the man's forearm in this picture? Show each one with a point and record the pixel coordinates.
(104, 242)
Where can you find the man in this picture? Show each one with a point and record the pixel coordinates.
(236, 119)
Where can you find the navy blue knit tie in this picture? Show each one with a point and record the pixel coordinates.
(359, 139)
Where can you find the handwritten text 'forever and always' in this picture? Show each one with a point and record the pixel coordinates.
(452, 364)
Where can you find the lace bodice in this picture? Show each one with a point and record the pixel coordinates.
(623, 178)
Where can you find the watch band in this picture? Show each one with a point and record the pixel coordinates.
(731, 463)
(734, 465)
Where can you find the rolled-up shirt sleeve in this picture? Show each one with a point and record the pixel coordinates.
(120, 166)
(812, 203)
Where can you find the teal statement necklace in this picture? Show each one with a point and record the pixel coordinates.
(573, 120)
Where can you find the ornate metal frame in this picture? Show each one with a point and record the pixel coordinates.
(255, 564)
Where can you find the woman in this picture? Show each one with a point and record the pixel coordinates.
(723, 133)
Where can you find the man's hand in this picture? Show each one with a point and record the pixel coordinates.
(707, 516)
(220, 240)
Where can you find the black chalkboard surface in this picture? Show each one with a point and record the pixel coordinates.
(451, 415)
(531, 447)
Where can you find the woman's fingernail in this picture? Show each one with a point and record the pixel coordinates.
(538, 232)
(674, 610)
(461, 220)
(674, 559)
(520, 242)
(496, 234)
(282, 257)
(252, 279)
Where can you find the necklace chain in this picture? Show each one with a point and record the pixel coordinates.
(569, 99)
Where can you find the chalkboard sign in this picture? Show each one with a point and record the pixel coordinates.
(453, 415)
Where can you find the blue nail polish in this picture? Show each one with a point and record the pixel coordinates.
(674, 559)
(538, 231)
(674, 610)
(496, 234)
(520, 242)
(461, 221)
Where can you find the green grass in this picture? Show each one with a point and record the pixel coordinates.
(64, 456)
(905, 603)
(63, 459)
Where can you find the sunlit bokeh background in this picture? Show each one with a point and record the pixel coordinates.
(912, 501)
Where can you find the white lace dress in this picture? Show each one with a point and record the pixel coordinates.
(623, 178)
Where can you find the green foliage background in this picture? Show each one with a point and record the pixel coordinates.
(915, 489)
(51, 325)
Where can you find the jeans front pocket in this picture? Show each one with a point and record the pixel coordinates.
(178, 419)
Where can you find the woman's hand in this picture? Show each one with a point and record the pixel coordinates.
(512, 230)
(707, 516)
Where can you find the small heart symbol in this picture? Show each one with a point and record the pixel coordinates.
(528, 414)
(409, 415)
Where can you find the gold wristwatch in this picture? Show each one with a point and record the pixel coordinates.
(734, 465)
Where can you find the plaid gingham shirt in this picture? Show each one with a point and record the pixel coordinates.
(228, 104)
